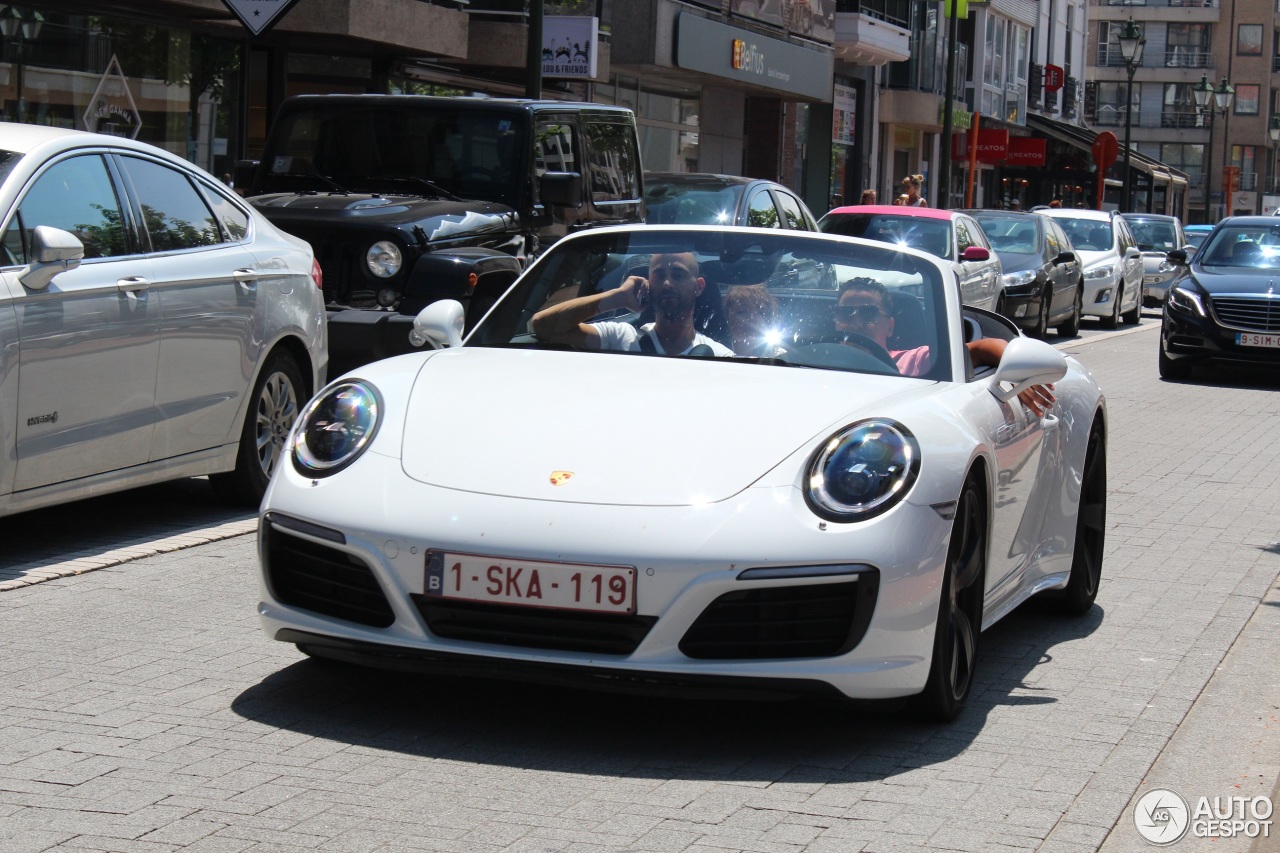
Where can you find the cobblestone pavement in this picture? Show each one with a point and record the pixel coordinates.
(143, 709)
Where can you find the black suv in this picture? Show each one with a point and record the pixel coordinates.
(409, 199)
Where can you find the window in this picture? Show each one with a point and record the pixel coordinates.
(761, 213)
(615, 163)
(1186, 157)
(1247, 95)
(76, 195)
(173, 213)
(235, 222)
(1111, 108)
(1006, 51)
(1249, 40)
(554, 148)
(1188, 46)
(791, 210)
(1179, 106)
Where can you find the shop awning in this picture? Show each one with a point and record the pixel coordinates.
(1082, 137)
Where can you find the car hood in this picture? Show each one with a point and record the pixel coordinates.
(1234, 280)
(628, 429)
(1091, 259)
(433, 215)
(1017, 262)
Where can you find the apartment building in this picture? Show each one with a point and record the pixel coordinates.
(1191, 45)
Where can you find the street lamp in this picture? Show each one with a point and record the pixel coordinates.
(1274, 130)
(1212, 101)
(1131, 44)
(14, 24)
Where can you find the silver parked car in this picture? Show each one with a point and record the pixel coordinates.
(152, 325)
(1157, 236)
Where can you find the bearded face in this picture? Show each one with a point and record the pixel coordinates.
(674, 286)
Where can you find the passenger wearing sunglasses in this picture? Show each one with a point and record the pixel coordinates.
(862, 308)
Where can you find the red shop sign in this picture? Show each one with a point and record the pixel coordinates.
(1026, 151)
(993, 145)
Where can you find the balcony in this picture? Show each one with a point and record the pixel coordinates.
(1187, 57)
(1198, 4)
(1109, 115)
(1275, 63)
(865, 40)
(1180, 118)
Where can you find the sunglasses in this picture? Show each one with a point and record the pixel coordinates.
(864, 313)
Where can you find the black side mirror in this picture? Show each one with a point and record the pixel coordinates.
(1178, 256)
(1064, 258)
(561, 189)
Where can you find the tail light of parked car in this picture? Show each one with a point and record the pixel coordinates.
(317, 274)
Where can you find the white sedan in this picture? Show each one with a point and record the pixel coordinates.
(152, 325)
(790, 501)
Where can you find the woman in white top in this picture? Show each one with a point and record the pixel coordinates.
(911, 189)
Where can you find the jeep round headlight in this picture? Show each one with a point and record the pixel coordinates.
(384, 259)
(862, 471)
(335, 428)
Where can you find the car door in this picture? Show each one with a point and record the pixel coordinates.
(1130, 262)
(1062, 276)
(208, 284)
(793, 214)
(89, 342)
(979, 280)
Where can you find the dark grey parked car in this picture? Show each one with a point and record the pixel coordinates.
(1043, 282)
(682, 198)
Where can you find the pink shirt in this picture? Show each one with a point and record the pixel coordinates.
(911, 362)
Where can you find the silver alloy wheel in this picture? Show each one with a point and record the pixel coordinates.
(277, 410)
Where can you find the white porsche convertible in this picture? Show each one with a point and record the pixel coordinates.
(692, 458)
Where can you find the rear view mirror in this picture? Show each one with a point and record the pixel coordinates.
(242, 174)
(1178, 256)
(52, 251)
(440, 324)
(1065, 258)
(975, 253)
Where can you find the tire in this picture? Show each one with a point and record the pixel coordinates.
(1001, 306)
(1171, 370)
(1091, 522)
(1131, 318)
(1041, 328)
(1112, 320)
(273, 408)
(955, 641)
(1071, 327)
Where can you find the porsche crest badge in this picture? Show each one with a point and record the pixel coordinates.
(559, 478)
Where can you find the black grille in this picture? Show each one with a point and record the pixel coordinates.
(1249, 313)
(324, 580)
(822, 620)
(530, 627)
(338, 263)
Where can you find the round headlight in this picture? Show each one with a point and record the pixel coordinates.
(862, 471)
(335, 428)
(384, 259)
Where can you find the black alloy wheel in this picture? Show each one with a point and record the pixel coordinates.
(1041, 327)
(1091, 523)
(955, 642)
(1071, 327)
(1173, 370)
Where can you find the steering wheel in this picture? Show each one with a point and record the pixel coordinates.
(854, 340)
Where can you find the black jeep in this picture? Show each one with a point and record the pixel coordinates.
(409, 199)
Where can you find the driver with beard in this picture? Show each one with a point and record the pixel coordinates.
(673, 286)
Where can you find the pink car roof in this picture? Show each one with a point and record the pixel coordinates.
(925, 212)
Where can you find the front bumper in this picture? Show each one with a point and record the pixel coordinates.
(1188, 336)
(689, 561)
(1099, 296)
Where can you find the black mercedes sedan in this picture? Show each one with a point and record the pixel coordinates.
(1227, 308)
(1043, 283)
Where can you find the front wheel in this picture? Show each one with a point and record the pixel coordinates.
(272, 410)
(955, 640)
(1174, 371)
(1041, 327)
(1132, 317)
(1112, 320)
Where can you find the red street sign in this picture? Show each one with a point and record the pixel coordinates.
(1105, 149)
(1054, 78)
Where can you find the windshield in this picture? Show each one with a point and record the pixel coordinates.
(1090, 235)
(926, 234)
(1243, 246)
(710, 203)
(389, 148)
(759, 300)
(1154, 234)
(1011, 235)
(1195, 238)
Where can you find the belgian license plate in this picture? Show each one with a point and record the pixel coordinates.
(531, 583)
(1254, 339)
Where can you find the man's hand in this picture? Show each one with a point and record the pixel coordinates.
(1038, 398)
(632, 294)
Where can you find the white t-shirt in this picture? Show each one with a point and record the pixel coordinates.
(624, 336)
